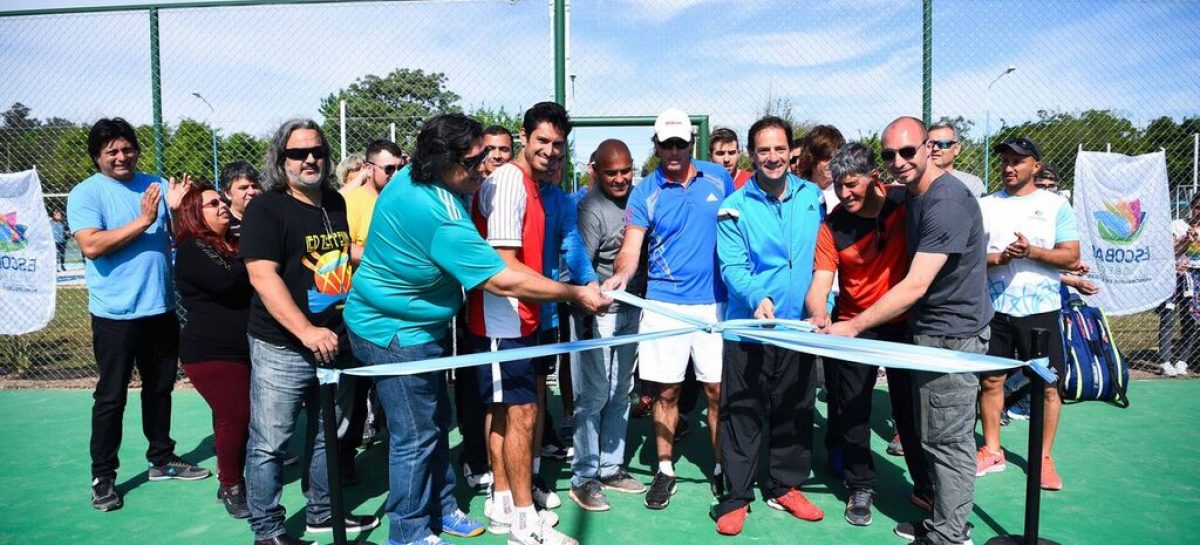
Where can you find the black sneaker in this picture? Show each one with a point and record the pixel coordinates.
(916, 532)
(590, 496)
(105, 496)
(354, 523)
(234, 499)
(716, 483)
(661, 490)
(176, 468)
(858, 509)
(283, 539)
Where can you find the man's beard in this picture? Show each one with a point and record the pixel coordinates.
(305, 182)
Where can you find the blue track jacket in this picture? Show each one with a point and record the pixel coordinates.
(766, 246)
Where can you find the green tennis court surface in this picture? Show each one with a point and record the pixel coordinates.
(1131, 477)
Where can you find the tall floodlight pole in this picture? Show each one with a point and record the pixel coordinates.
(212, 112)
(987, 131)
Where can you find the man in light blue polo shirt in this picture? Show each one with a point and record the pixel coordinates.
(421, 252)
(121, 226)
(675, 211)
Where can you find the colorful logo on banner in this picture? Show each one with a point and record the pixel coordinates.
(12, 234)
(1122, 222)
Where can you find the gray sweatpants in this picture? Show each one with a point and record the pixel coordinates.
(946, 424)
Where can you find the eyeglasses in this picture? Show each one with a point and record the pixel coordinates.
(675, 143)
(215, 203)
(387, 169)
(472, 162)
(300, 154)
(944, 144)
(906, 152)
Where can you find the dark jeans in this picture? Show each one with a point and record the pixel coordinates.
(61, 249)
(850, 388)
(152, 344)
(765, 390)
(420, 479)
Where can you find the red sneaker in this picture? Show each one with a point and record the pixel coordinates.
(1050, 478)
(795, 503)
(987, 461)
(730, 524)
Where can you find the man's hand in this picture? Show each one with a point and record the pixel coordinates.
(590, 299)
(150, 204)
(322, 342)
(1018, 249)
(177, 190)
(765, 310)
(820, 321)
(842, 329)
(615, 282)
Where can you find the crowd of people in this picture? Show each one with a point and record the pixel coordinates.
(253, 284)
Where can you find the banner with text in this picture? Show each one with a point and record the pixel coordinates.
(1124, 216)
(27, 267)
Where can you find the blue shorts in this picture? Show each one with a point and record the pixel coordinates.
(512, 382)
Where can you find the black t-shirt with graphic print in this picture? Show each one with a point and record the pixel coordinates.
(311, 245)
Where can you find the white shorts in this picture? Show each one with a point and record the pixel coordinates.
(666, 360)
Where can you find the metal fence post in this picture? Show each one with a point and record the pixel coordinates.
(156, 92)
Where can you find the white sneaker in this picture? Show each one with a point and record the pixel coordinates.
(500, 522)
(499, 519)
(543, 496)
(476, 480)
(542, 533)
(1168, 370)
(1181, 368)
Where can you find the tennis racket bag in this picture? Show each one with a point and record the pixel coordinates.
(1094, 370)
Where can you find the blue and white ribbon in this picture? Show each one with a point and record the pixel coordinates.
(789, 334)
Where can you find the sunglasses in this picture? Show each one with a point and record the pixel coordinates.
(300, 154)
(472, 162)
(215, 203)
(906, 152)
(944, 144)
(389, 169)
(675, 143)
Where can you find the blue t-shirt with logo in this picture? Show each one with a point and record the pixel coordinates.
(681, 233)
(133, 281)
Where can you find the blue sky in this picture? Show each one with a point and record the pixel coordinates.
(855, 65)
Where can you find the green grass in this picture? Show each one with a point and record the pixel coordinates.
(62, 350)
(1131, 478)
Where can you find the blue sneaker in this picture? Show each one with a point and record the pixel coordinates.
(429, 540)
(1017, 412)
(460, 525)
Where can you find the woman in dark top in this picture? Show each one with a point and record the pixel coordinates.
(214, 306)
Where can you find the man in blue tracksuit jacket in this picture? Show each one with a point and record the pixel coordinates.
(766, 241)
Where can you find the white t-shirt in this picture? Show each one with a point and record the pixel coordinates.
(1023, 287)
(971, 181)
(1191, 254)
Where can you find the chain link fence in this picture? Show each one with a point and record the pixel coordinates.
(1091, 75)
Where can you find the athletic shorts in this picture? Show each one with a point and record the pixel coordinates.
(512, 382)
(1011, 338)
(666, 360)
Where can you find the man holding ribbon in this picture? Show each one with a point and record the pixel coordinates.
(766, 239)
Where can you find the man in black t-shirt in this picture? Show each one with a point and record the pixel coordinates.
(297, 250)
(945, 293)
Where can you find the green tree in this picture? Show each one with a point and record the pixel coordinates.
(405, 97)
(188, 150)
(243, 147)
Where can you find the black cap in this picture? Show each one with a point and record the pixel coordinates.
(1020, 146)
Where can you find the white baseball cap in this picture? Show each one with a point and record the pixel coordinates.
(673, 123)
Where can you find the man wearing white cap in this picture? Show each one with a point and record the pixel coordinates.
(674, 210)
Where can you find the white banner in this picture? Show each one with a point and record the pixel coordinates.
(27, 266)
(1123, 211)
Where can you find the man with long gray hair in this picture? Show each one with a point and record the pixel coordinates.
(296, 244)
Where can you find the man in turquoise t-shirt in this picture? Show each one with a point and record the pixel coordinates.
(121, 226)
(421, 252)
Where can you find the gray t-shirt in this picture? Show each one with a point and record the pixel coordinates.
(947, 220)
(971, 181)
(602, 228)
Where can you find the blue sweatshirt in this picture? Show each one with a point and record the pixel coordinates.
(561, 221)
(766, 247)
